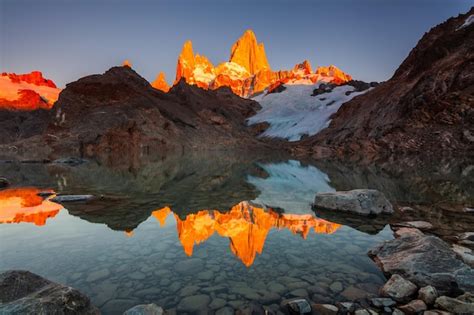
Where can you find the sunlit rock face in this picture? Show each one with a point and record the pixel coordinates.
(248, 71)
(160, 83)
(27, 92)
(24, 205)
(245, 225)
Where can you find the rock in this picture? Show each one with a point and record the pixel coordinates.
(251, 309)
(144, 309)
(455, 306)
(435, 312)
(428, 294)
(296, 306)
(353, 293)
(382, 302)
(189, 266)
(117, 306)
(347, 307)
(194, 303)
(98, 274)
(421, 225)
(407, 232)
(276, 287)
(325, 309)
(217, 303)
(225, 311)
(425, 260)
(4, 183)
(360, 201)
(23, 292)
(414, 307)
(365, 312)
(72, 198)
(398, 288)
(466, 254)
(205, 275)
(189, 290)
(137, 275)
(336, 287)
(302, 293)
(398, 312)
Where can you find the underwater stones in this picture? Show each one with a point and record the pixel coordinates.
(189, 266)
(268, 297)
(398, 288)
(137, 275)
(336, 287)
(360, 201)
(194, 303)
(302, 293)
(117, 306)
(98, 274)
(276, 287)
(205, 275)
(225, 311)
(353, 293)
(297, 306)
(23, 292)
(189, 290)
(144, 309)
(325, 309)
(217, 303)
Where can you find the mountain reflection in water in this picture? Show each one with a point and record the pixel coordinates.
(245, 225)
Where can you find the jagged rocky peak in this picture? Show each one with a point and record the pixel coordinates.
(250, 54)
(160, 82)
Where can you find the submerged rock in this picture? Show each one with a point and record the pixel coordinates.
(297, 306)
(144, 309)
(361, 201)
(23, 292)
(424, 260)
(72, 198)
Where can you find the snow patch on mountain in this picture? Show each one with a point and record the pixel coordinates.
(469, 20)
(293, 112)
(290, 186)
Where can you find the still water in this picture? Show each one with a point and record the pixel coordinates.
(194, 234)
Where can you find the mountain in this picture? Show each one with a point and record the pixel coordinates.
(126, 115)
(248, 71)
(426, 107)
(160, 83)
(27, 92)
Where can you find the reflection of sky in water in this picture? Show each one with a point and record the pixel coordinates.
(290, 186)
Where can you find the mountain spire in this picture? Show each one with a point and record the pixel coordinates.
(250, 54)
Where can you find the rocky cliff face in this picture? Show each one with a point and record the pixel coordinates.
(119, 111)
(427, 106)
(248, 71)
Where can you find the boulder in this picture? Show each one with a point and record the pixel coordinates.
(23, 292)
(297, 306)
(460, 305)
(398, 289)
(414, 307)
(144, 309)
(428, 294)
(360, 201)
(424, 260)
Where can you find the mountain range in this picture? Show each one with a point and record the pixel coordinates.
(427, 106)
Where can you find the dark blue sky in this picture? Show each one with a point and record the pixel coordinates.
(68, 39)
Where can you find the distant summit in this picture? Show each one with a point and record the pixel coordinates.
(248, 71)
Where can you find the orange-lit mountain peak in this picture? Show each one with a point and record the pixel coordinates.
(195, 229)
(185, 66)
(304, 67)
(338, 76)
(24, 205)
(248, 53)
(27, 91)
(160, 82)
(127, 63)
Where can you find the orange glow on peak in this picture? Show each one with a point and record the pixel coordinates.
(127, 63)
(24, 205)
(161, 215)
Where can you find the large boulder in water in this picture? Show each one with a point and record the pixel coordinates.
(23, 292)
(424, 260)
(360, 201)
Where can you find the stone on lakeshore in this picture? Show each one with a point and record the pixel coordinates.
(382, 302)
(428, 294)
(360, 201)
(466, 254)
(435, 312)
(456, 306)
(421, 225)
(144, 309)
(398, 288)
(23, 292)
(325, 309)
(194, 303)
(424, 260)
(296, 306)
(414, 307)
(72, 198)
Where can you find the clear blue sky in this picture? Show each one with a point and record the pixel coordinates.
(69, 39)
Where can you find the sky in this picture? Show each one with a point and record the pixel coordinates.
(67, 39)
